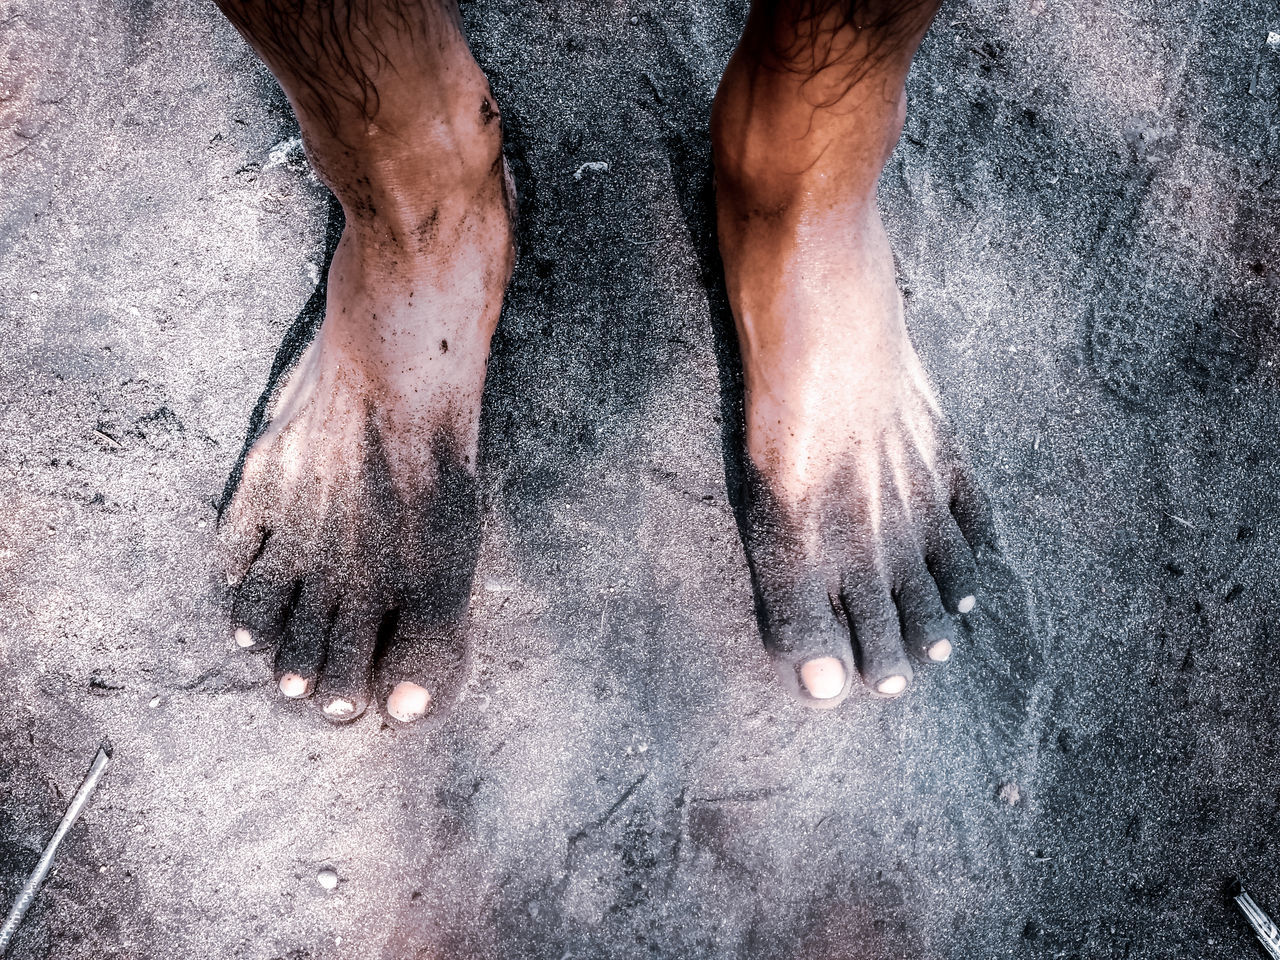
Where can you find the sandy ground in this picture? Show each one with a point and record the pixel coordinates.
(1085, 209)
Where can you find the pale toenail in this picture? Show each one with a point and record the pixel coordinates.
(294, 686)
(892, 686)
(823, 677)
(338, 707)
(967, 603)
(244, 638)
(408, 701)
(940, 652)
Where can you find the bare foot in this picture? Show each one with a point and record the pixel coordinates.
(356, 523)
(862, 519)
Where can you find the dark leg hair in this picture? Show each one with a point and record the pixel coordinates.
(376, 86)
(843, 39)
(328, 53)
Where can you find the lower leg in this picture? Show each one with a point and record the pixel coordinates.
(861, 517)
(359, 498)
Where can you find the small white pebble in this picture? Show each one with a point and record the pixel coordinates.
(327, 878)
(1273, 40)
(1010, 794)
(594, 166)
(244, 638)
(155, 702)
(202, 524)
(35, 296)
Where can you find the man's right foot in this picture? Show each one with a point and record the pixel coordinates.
(357, 512)
(863, 518)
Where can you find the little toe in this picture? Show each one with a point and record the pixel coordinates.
(345, 686)
(259, 606)
(928, 630)
(952, 565)
(244, 525)
(241, 538)
(882, 659)
(300, 655)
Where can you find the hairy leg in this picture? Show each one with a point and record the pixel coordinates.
(357, 513)
(862, 519)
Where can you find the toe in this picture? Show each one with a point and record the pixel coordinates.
(808, 639)
(259, 605)
(345, 685)
(824, 677)
(244, 521)
(928, 631)
(423, 670)
(951, 563)
(882, 659)
(301, 652)
(408, 701)
(242, 537)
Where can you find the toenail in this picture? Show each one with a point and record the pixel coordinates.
(892, 686)
(339, 707)
(294, 686)
(408, 701)
(823, 677)
(940, 652)
(244, 638)
(967, 603)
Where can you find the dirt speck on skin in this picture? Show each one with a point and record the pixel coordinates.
(1083, 216)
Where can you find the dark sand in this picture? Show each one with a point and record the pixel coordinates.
(1085, 211)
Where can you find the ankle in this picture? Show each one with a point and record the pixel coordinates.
(400, 179)
(777, 151)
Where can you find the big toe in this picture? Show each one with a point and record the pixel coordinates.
(423, 672)
(824, 677)
(408, 701)
(811, 651)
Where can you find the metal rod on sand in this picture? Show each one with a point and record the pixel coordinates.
(1263, 928)
(28, 892)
